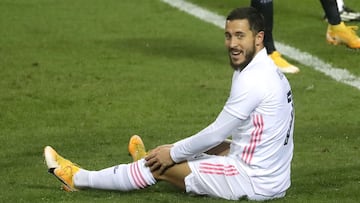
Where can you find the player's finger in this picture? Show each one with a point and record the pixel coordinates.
(155, 166)
(150, 156)
(162, 169)
(150, 161)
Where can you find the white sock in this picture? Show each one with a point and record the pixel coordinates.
(122, 177)
(340, 4)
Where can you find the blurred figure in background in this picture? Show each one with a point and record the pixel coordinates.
(337, 33)
(346, 13)
(266, 8)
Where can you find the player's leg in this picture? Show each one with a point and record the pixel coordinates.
(331, 11)
(346, 13)
(218, 176)
(266, 8)
(340, 4)
(175, 174)
(123, 177)
(338, 32)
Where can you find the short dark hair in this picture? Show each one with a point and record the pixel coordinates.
(255, 18)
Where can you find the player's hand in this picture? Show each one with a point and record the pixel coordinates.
(159, 159)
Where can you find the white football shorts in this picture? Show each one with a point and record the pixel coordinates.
(222, 177)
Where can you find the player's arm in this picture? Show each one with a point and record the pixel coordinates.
(211, 136)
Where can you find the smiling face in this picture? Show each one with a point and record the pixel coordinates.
(241, 42)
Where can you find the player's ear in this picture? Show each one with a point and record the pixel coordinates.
(259, 38)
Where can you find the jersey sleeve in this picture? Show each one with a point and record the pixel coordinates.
(209, 137)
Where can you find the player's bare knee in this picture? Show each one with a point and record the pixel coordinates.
(158, 176)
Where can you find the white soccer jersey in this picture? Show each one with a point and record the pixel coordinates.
(259, 116)
(261, 96)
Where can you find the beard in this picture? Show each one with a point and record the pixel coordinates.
(249, 55)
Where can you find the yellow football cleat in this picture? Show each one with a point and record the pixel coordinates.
(342, 34)
(282, 64)
(61, 168)
(136, 148)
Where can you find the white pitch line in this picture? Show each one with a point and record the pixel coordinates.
(338, 74)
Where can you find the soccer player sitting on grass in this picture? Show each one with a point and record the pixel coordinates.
(258, 116)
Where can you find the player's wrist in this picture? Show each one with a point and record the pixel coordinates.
(173, 155)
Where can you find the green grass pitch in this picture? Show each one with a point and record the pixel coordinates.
(83, 76)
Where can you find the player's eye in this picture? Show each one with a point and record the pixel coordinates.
(239, 35)
(227, 36)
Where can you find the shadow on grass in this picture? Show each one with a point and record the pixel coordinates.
(340, 181)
